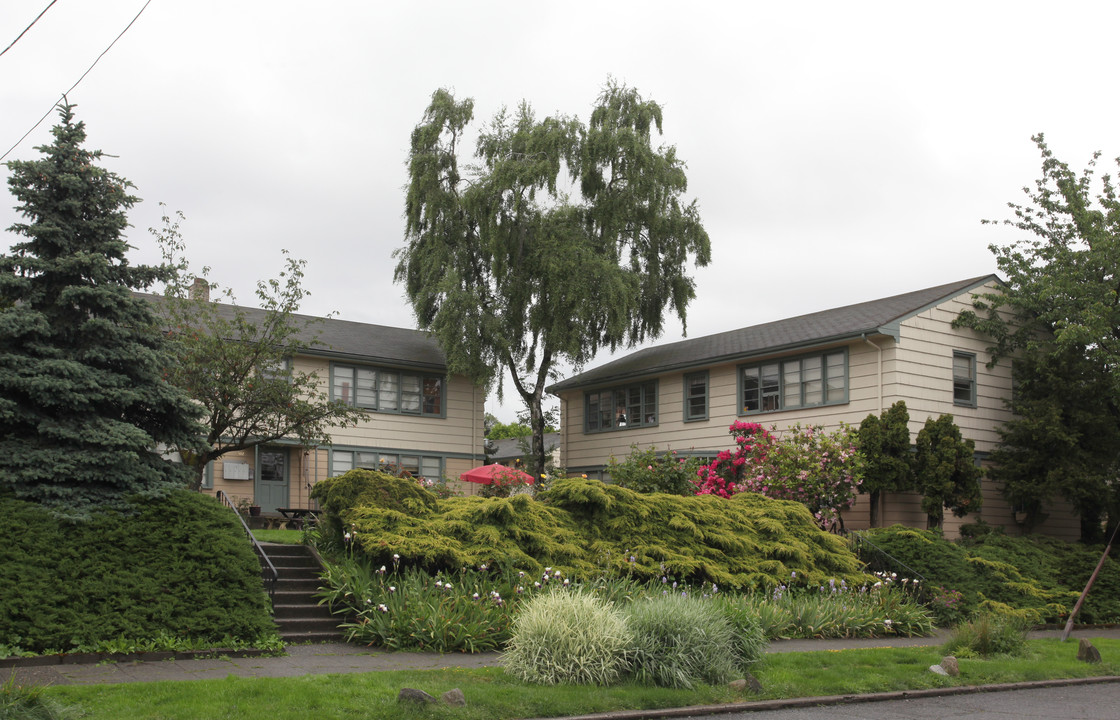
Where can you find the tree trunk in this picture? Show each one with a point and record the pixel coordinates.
(874, 498)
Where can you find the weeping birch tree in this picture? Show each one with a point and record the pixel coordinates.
(562, 239)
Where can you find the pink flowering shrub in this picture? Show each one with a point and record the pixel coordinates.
(821, 469)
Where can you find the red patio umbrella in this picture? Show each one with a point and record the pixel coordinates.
(486, 474)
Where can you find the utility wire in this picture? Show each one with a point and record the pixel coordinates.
(83, 77)
(48, 7)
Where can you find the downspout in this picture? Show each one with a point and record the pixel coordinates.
(880, 369)
(878, 512)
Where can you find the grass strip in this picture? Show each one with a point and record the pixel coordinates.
(492, 694)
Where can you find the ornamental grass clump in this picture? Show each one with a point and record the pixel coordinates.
(567, 637)
(988, 634)
(750, 635)
(681, 641)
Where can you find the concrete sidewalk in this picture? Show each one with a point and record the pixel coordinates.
(342, 658)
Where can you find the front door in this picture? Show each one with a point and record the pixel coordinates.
(272, 479)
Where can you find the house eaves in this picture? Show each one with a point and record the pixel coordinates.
(881, 317)
(350, 341)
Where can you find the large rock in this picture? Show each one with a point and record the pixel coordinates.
(412, 695)
(949, 665)
(454, 698)
(1086, 652)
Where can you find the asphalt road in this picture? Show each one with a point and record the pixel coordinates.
(1100, 701)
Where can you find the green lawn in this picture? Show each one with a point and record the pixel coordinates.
(491, 694)
(287, 537)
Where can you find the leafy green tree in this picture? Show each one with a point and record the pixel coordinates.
(236, 362)
(1064, 440)
(511, 273)
(1060, 302)
(946, 471)
(84, 406)
(506, 431)
(888, 462)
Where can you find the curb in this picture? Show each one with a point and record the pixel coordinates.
(92, 658)
(825, 700)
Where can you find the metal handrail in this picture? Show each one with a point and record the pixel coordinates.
(268, 570)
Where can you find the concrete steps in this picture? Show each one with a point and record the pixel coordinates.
(296, 612)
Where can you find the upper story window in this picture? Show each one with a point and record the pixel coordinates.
(386, 390)
(820, 379)
(631, 406)
(964, 379)
(696, 396)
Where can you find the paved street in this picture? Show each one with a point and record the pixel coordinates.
(1099, 701)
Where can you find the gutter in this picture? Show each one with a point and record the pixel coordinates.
(880, 359)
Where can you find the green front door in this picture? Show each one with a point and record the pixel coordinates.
(272, 479)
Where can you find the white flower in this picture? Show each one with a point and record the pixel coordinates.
(382, 608)
(475, 596)
(556, 574)
(392, 588)
(447, 586)
(396, 556)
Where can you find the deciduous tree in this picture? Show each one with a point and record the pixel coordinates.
(236, 362)
(84, 407)
(1060, 304)
(512, 273)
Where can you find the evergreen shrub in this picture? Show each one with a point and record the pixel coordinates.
(680, 642)
(1034, 577)
(588, 529)
(566, 637)
(179, 567)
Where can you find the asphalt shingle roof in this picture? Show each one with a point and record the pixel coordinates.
(356, 341)
(850, 321)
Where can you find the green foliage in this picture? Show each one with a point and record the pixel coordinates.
(988, 634)
(1057, 315)
(875, 609)
(680, 642)
(491, 253)
(179, 566)
(408, 609)
(29, 702)
(360, 487)
(506, 431)
(1035, 577)
(647, 471)
(83, 402)
(588, 529)
(235, 362)
(1062, 442)
(945, 470)
(884, 442)
(750, 635)
(564, 637)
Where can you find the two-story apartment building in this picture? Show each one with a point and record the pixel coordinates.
(417, 415)
(825, 368)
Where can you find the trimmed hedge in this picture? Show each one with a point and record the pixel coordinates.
(178, 567)
(590, 529)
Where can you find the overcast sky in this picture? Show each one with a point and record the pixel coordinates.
(840, 152)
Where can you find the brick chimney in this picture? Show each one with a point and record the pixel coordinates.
(200, 290)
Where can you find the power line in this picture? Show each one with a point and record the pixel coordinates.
(83, 77)
(48, 7)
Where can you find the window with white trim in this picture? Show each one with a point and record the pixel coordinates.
(619, 408)
(791, 383)
(384, 390)
(964, 379)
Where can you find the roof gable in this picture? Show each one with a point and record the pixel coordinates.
(874, 317)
